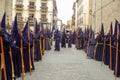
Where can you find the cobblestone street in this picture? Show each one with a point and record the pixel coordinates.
(69, 64)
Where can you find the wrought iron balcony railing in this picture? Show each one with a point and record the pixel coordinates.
(32, 8)
(19, 7)
(44, 8)
(43, 19)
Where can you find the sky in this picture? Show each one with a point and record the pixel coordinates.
(65, 9)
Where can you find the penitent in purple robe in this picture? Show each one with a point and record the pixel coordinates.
(92, 45)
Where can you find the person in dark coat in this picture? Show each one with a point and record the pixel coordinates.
(114, 39)
(27, 41)
(47, 39)
(107, 50)
(70, 40)
(92, 45)
(85, 41)
(16, 54)
(113, 43)
(15, 46)
(99, 49)
(63, 39)
(25, 47)
(79, 39)
(6, 48)
(31, 50)
(108, 47)
(42, 37)
(42, 42)
(117, 69)
(74, 37)
(57, 40)
(37, 53)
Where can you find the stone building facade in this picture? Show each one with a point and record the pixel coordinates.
(105, 11)
(41, 10)
(74, 16)
(83, 13)
(6, 6)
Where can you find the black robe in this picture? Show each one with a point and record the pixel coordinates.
(99, 49)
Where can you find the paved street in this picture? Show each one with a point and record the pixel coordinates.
(69, 64)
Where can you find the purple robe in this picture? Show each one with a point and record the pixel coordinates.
(91, 47)
(57, 40)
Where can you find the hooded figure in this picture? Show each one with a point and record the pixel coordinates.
(118, 72)
(108, 46)
(15, 46)
(47, 39)
(92, 45)
(117, 41)
(27, 39)
(57, 40)
(100, 40)
(79, 44)
(107, 50)
(6, 48)
(63, 40)
(37, 53)
(114, 41)
(70, 40)
(74, 37)
(42, 35)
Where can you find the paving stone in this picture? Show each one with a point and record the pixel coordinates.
(69, 64)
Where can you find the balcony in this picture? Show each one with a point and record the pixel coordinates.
(32, 8)
(19, 7)
(43, 19)
(44, 8)
(44, 0)
(31, 20)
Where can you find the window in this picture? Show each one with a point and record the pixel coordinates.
(43, 16)
(19, 14)
(31, 15)
(44, 4)
(31, 3)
